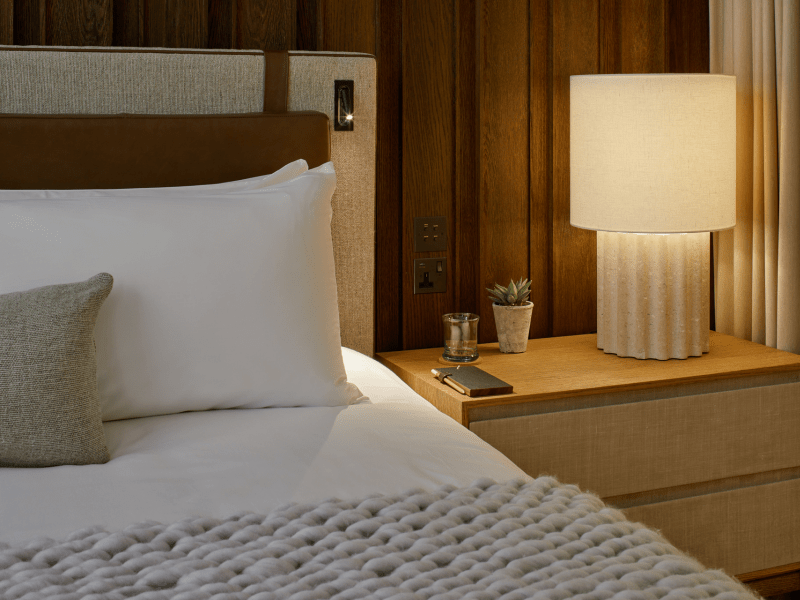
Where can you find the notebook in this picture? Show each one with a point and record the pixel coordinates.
(477, 382)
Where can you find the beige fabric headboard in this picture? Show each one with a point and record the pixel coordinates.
(55, 80)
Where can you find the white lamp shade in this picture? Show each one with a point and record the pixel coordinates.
(653, 153)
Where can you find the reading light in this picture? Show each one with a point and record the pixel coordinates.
(344, 105)
(653, 154)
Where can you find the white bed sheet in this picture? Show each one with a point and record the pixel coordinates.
(218, 463)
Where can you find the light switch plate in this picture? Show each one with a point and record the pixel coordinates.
(430, 275)
(430, 234)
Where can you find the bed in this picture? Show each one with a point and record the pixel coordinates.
(215, 426)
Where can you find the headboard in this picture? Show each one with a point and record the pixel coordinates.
(56, 80)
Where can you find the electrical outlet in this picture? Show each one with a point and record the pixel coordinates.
(430, 275)
(430, 234)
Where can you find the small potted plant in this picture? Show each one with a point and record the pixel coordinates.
(512, 314)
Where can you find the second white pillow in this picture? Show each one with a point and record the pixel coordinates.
(219, 302)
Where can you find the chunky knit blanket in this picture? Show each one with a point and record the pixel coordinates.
(514, 540)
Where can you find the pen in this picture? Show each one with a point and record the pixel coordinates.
(445, 378)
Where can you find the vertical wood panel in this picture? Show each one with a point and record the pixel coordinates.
(389, 184)
(265, 24)
(642, 27)
(187, 23)
(348, 25)
(309, 30)
(504, 145)
(6, 22)
(221, 23)
(428, 100)
(464, 230)
(154, 23)
(687, 36)
(29, 22)
(575, 52)
(127, 23)
(609, 44)
(541, 166)
(632, 36)
(79, 23)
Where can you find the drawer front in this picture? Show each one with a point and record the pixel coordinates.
(740, 531)
(651, 445)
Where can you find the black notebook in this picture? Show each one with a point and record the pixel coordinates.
(477, 382)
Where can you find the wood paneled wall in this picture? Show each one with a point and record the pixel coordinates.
(473, 122)
(483, 107)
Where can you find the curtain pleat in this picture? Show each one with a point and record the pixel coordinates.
(769, 139)
(757, 264)
(789, 182)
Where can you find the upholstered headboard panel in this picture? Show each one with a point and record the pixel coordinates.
(54, 80)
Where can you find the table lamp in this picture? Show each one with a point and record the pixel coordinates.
(652, 170)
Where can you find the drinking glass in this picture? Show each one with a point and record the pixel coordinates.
(460, 337)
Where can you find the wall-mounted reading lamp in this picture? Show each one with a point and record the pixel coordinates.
(344, 105)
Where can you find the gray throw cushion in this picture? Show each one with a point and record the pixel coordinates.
(49, 406)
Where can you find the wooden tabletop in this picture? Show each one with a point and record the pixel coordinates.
(573, 366)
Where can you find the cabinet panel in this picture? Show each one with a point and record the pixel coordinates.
(740, 531)
(636, 447)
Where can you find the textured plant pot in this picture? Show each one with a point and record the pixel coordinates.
(513, 325)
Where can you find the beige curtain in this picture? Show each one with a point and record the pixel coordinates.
(757, 264)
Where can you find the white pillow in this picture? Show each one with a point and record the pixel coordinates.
(219, 301)
(282, 175)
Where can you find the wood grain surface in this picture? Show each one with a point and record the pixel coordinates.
(687, 23)
(6, 22)
(575, 36)
(389, 184)
(466, 202)
(571, 366)
(562, 38)
(774, 581)
(503, 151)
(349, 25)
(632, 36)
(29, 22)
(540, 167)
(265, 24)
(127, 23)
(221, 23)
(428, 141)
(84, 23)
(473, 122)
(176, 23)
(309, 28)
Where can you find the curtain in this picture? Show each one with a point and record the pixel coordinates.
(757, 264)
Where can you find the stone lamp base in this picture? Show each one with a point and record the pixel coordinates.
(653, 294)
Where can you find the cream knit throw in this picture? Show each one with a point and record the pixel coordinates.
(514, 540)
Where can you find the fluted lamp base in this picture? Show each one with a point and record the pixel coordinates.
(653, 294)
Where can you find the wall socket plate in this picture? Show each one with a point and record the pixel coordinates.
(430, 234)
(430, 275)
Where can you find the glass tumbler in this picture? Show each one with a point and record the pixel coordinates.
(460, 337)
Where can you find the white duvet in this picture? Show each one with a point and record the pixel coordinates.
(217, 463)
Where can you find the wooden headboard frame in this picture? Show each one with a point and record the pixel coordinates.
(56, 80)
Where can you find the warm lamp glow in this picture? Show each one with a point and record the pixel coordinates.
(653, 153)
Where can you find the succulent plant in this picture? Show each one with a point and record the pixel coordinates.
(516, 294)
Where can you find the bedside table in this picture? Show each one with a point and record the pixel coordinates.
(705, 449)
